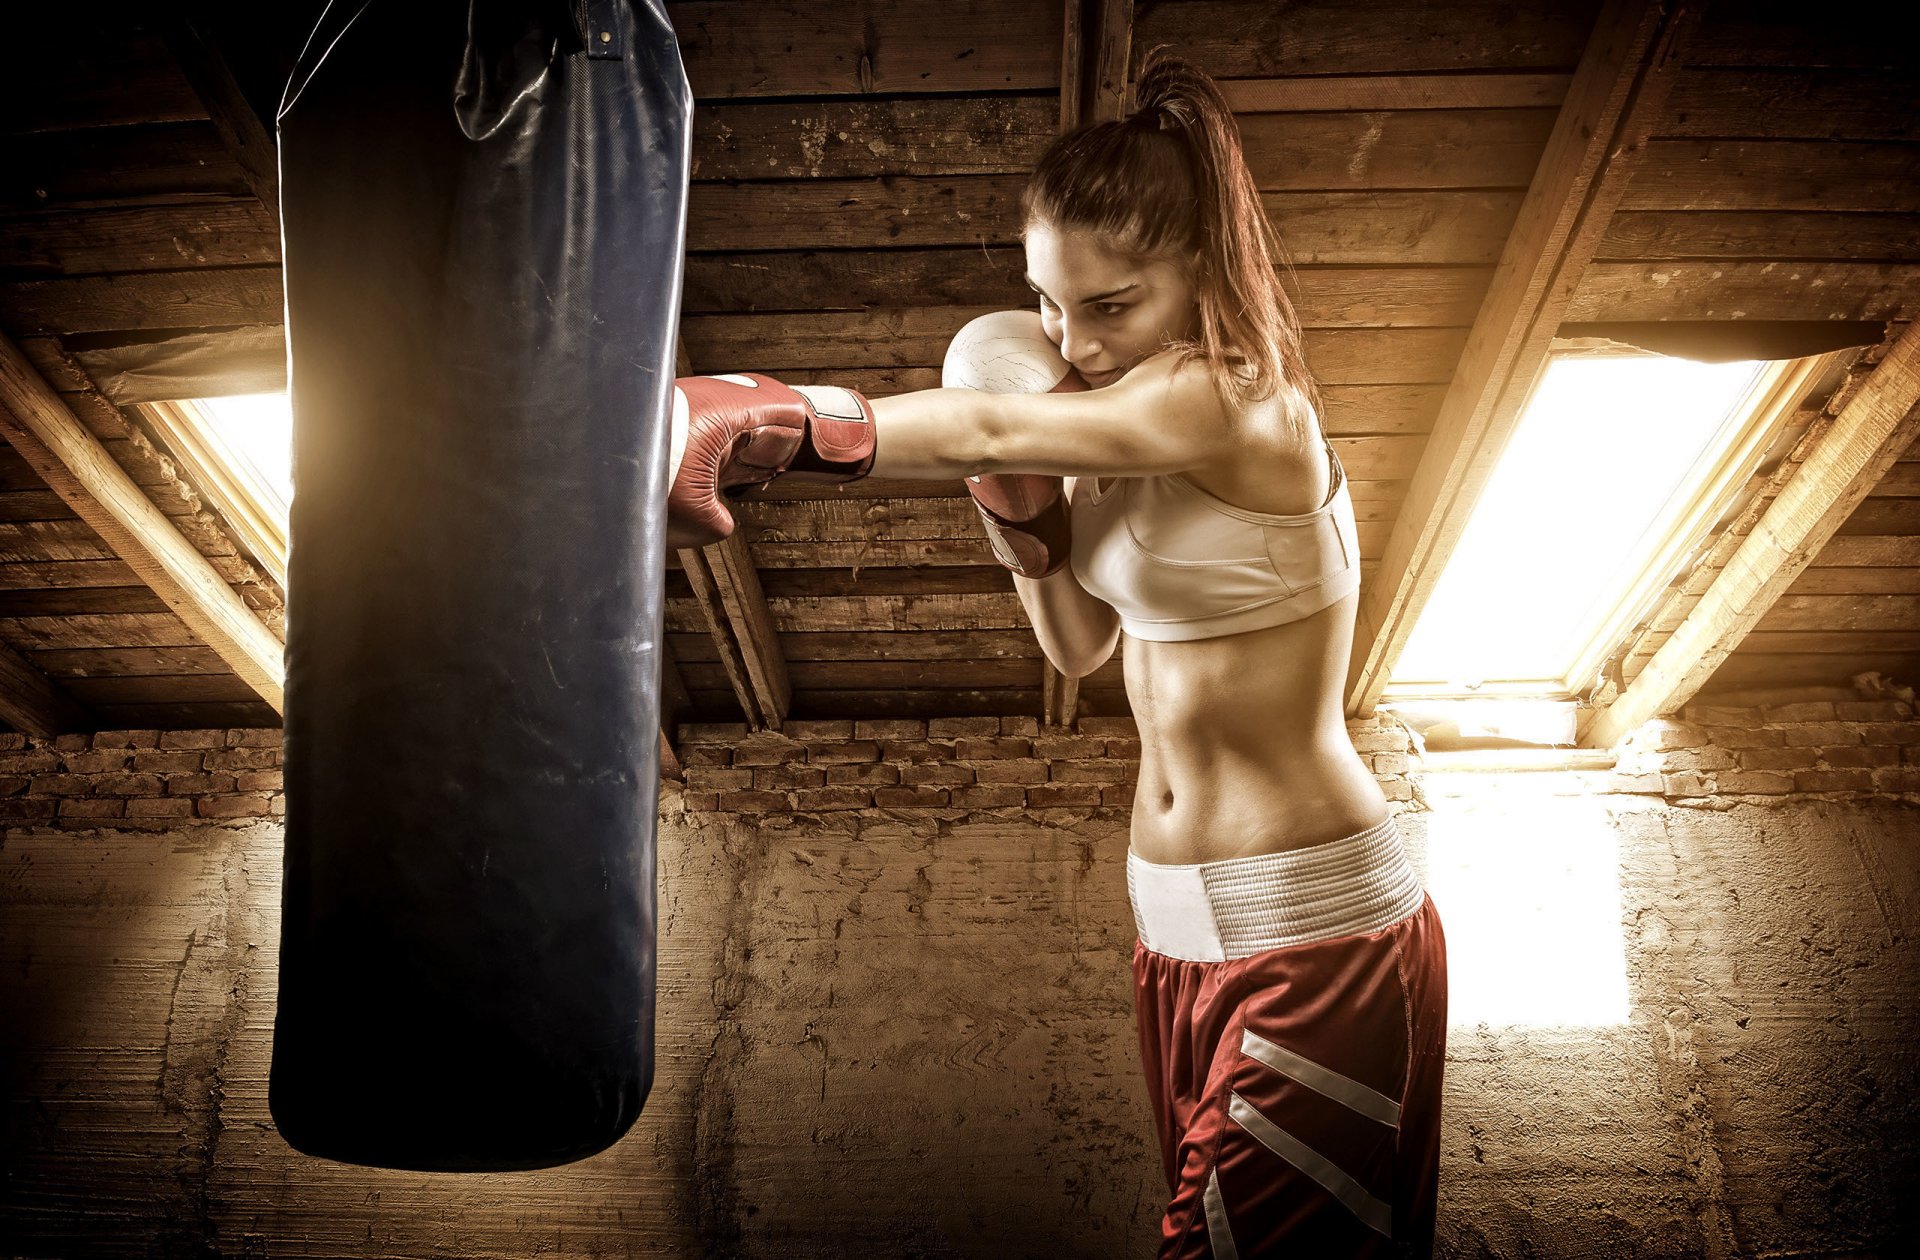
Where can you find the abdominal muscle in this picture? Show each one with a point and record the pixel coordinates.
(1243, 744)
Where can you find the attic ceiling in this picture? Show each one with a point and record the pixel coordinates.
(857, 169)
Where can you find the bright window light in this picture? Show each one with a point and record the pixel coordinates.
(239, 452)
(1609, 457)
(258, 429)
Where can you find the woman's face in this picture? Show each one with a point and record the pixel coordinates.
(1104, 312)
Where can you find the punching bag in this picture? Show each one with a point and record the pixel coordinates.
(484, 213)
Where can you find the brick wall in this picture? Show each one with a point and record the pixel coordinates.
(1823, 747)
(139, 779)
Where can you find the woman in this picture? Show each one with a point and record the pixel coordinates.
(1290, 973)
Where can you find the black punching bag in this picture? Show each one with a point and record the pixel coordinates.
(484, 212)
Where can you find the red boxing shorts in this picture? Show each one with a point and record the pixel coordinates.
(1292, 1011)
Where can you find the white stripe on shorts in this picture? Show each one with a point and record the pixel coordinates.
(1376, 1215)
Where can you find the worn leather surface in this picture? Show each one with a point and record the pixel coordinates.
(484, 229)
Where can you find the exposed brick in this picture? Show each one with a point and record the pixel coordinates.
(1833, 780)
(1700, 759)
(193, 739)
(1117, 794)
(1872, 710)
(944, 772)
(126, 739)
(254, 737)
(1025, 772)
(1896, 779)
(93, 808)
(1103, 771)
(728, 733)
(1386, 739)
(277, 807)
(1635, 783)
(1748, 737)
(195, 784)
(1890, 732)
(97, 762)
(1391, 763)
(243, 759)
(1804, 711)
(753, 802)
(1819, 734)
(1064, 746)
(1397, 789)
(1051, 794)
(1027, 726)
(70, 743)
(1124, 748)
(1771, 782)
(914, 752)
(919, 797)
(13, 784)
(239, 805)
(1778, 758)
(776, 778)
(866, 774)
(705, 755)
(10, 741)
(1688, 783)
(842, 752)
(1861, 755)
(890, 728)
(160, 807)
(768, 748)
(60, 785)
(1111, 727)
(815, 730)
(1662, 735)
(954, 728)
(168, 762)
(713, 779)
(1722, 715)
(26, 809)
(991, 749)
(260, 781)
(985, 796)
(701, 802)
(29, 761)
(832, 798)
(129, 785)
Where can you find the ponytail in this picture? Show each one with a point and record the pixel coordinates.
(1170, 182)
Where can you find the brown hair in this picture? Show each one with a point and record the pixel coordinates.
(1170, 182)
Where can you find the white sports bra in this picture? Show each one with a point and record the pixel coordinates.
(1178, 563)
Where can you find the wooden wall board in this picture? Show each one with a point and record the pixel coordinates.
(1761, 234)
(209, 715)
(104, 693)
(170, 163)
(118, 76)
(144, 300)
(1818, 175)
(30, 634)
(127, 662)
(1794, 103)
(1738, 289)
(211, 233)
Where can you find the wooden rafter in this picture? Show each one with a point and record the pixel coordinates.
(38, 423)
(240, 130)
(1612, 104)
(1868, 436)
(726, 586)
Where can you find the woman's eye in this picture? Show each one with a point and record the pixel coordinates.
(1110, 309)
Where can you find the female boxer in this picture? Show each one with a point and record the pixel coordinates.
(1290, 972)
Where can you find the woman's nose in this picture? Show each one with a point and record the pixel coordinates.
(1076, 345)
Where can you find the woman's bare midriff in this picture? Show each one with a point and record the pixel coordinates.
(1243, 745)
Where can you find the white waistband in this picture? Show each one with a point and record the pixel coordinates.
(1212, 911)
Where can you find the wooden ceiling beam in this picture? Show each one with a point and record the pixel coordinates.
(1616, 96)
(726, 587)
(73, 463)
(1870, 434)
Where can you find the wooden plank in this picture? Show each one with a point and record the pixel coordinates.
(1399, 91)
(1617, 91)
(1450, 148)
(67, 574)
(984, 576)
(856, 554)
(1776, 175)
(70, 601)
(1354, 410)
(868, 46)
(211, 715)
(1831, 642)
(878, 675)
(1427, 227)
(128, 661)
(172, 163)
(895, 210)
(35, 704)
(1868, 435)
(841, 139)
(1870, 549)
(1722, 102)
(1838, 580)
(1793, 670)
(830, 705)
(114, 77)
(25, 542)
(133, 630)
(142, 238)
(1839, 612)
(241, 131)
(160, 689)
(726, 591)
(1241, 39)
(1782, 33)
(1761, 234)
(874, 612)
(1726, 289)
(145, 300)
(74, 465)
(1095, 39)
(888, 645)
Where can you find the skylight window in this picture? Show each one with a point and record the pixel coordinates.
(239, 452)
(1619, 466)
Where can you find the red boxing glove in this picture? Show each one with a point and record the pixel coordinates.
(1009, 352)
(740, 430)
